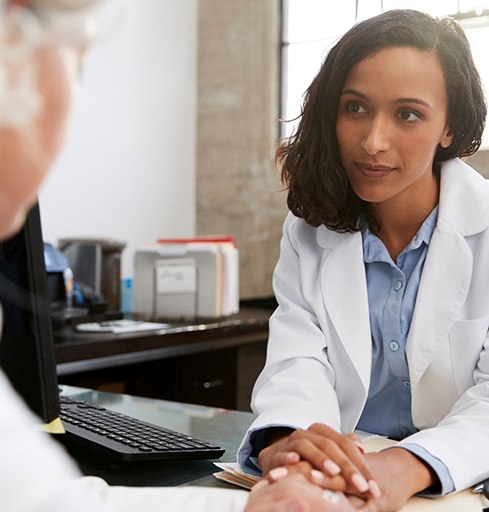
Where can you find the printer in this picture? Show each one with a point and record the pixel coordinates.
(195, 279)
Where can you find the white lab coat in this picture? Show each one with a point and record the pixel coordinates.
(319, 352)
(36, 475)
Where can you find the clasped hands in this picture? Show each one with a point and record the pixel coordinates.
(327, 464)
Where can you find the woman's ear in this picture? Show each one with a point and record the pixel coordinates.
(447, 138)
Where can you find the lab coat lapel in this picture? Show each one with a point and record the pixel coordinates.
(442, 291)
(463, 211)
(344, 292)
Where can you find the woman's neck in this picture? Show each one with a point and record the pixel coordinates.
(401, 219)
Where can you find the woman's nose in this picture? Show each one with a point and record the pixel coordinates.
(377, 136)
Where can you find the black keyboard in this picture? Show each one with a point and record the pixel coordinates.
(126, 438)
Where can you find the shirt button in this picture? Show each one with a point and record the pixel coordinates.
(406, 384)
(394, 346)
(397, 285)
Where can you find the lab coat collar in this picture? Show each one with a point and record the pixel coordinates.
(463, 198)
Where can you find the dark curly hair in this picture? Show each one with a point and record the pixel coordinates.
(318, 189)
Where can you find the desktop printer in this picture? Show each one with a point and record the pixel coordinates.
(186, 279)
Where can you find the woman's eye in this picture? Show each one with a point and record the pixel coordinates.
(408, 115)
(355, 108)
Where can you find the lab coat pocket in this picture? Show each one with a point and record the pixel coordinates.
(466, 342)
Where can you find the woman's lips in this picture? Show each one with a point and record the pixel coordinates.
(373, 171)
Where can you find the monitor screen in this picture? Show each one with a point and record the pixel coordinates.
(26, 344)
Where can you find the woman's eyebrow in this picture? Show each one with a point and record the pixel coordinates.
(419, 101)
(354, 93)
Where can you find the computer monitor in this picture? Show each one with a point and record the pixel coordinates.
(26, 344)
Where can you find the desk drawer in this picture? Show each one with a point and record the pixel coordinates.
(207, 379)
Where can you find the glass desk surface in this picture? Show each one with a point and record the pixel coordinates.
(221, 426)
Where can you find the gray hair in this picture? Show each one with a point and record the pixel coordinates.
(22, 31)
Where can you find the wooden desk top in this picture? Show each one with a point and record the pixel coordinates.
(76, 351)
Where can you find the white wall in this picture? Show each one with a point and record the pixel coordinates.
(128, 168)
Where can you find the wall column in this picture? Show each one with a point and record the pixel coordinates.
(238, 187)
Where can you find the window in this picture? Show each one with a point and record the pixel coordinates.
(311, 28)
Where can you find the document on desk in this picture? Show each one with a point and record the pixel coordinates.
(465, 501)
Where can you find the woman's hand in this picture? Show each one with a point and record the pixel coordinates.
(295, 493)
(328, 458)
(400, 475)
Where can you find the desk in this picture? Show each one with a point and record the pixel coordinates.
(214, 362)
(221, 426)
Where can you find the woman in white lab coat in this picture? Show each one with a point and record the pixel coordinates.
(41, 42)
(383, 276)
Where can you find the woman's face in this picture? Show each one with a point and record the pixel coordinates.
(392, 115)
(28, 152)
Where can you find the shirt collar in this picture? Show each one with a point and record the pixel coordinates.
(374, 249)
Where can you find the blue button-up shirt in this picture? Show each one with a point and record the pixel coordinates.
(392, 289)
